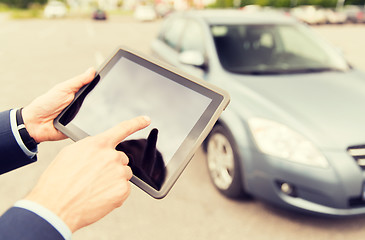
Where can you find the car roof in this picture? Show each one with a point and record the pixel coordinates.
(231, 16)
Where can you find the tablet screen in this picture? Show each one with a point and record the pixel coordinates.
(129, 87)
(128, 91)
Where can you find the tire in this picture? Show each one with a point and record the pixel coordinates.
(223, 163)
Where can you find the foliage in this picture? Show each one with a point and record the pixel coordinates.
(4, 7)
(222, 4)
(282, 3)
(34, 10)
(22, 4)
(356, 2)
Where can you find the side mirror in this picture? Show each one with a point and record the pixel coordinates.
(192, 57)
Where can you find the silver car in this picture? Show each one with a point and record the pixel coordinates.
(294, 133)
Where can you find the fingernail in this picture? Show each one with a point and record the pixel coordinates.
(147, 118)
(91, 69)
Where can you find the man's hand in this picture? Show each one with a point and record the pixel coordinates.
(89, 178)
(38, 116)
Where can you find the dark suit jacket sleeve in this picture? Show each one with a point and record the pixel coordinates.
(18, 223)
(11, 155)
(21, 224)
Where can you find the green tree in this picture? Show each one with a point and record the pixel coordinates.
(22, 3)
(355, 2)
(280, 3)
(222, 4)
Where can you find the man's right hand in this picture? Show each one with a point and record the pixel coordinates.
(89, 178)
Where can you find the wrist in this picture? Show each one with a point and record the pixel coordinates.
(27, 139)
(29, 123)
(47, 215)
(61, 211)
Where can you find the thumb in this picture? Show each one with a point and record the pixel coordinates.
(74, 84)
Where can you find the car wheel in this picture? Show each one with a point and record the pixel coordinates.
(223, 163)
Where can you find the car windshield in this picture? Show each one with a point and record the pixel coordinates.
(274, 49)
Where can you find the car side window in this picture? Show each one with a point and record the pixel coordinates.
(172, 32)
(192, 38)
(291, 39)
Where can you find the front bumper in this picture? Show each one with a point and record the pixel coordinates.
(337, 190)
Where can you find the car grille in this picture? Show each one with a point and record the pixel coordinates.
(358, 153)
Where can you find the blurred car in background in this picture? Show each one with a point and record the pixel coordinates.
(355, 14)
(99, 14)
(309, 14)
(334, 16)
(293, 134)
(55, 9)
(145, 13)
(163, 9)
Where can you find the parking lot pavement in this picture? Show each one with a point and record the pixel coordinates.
(36, 54)
(348, 39)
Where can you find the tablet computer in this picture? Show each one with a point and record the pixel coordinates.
(183, 109)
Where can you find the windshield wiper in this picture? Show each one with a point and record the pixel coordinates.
(262, 72)
(256, 72)
(285, 71)
(322, 69)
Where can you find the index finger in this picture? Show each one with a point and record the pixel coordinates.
(119, 132)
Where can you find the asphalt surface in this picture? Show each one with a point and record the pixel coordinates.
(37, 54)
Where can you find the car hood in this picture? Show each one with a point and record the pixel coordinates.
(327, 107)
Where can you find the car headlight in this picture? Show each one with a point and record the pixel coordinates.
(278, 140)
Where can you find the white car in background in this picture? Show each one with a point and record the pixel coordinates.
(55, 9)
(334, 16)
(311, 15)
(145, 13)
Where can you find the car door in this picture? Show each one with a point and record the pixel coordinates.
(193, 40)
(166, 46)
(178, 35)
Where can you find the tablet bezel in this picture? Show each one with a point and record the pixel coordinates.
(201, 129)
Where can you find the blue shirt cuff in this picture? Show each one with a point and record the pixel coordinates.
(47, 215)
(14, 129)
